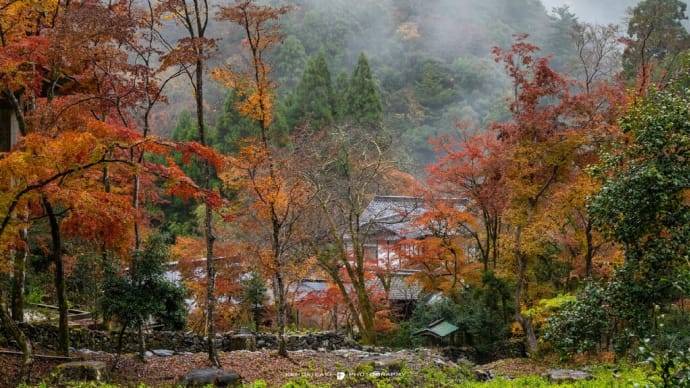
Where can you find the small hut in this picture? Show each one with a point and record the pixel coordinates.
(440, 332)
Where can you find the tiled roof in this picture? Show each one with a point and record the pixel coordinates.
(403, 288)
(391, 209)
(440, 329)
(393, 214)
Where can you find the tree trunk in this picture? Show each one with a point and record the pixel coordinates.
(257, 318)
(210, 290)
(520, 286)
(528, 329)
(366, 314)
(589, 253)
(141, 342)
(280, 314)
(208, 216)
(19, 277)
(15, 332)
(18, 284)
(60, 287)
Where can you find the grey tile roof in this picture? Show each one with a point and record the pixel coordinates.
(404, 288)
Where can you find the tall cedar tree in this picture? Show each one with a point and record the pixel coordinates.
(362, 102)
(313, 99)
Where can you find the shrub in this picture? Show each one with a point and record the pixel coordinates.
(581, 325)
(669, 367)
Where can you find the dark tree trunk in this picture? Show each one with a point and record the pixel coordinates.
(257, 318)
(280, 314)
(589, 254)
(15, 332)
(18, 283)
(210, 289)
(60, 287)
(141, 341)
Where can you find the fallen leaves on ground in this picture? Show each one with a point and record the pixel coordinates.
(318, 367)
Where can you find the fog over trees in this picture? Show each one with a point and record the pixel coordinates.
(517, 168)
(595, 11)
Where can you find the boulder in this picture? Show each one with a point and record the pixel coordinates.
(483, 375)
(566, 375)
(241, 342)
(163, 352)
(96, 371)
(211, 376)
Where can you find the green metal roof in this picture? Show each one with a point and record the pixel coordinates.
(440, 328)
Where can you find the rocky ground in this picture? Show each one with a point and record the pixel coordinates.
(314, 365)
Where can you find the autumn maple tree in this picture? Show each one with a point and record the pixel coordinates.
(442, 256)
(259, 171)
(469, 169)
(525, 181)
(191, 54)
(80, 148)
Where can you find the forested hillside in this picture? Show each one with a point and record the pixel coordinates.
(431, 60)
(487, 177)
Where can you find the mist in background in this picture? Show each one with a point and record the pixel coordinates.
(596, 11)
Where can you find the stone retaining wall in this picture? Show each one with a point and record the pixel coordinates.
(47, 336)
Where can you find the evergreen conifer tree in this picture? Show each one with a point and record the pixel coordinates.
(313, 103)
(342, 83)
(231, 126)
(362, 102)
(291, 60)
(657, 36)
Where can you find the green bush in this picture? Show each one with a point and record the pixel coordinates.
(581, 325)
(482, 325)
(669, 367)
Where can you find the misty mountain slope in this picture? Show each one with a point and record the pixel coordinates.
(431, 59)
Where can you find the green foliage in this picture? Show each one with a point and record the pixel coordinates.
(231, 126)
(254, 289)
(185, 130)
(643, 206)
(657, 35)
(256, 384)
(143, 290)
(475, 311)
(582, 323)
(670, 367)
(35, 295)
(290, 60)
(82, 283)
(254, 295)
(313, 97)
(560, 42)
(302, 383)
(435, 88)
(342, 82)
(362, 102)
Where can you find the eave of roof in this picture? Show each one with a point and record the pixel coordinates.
(439, 329)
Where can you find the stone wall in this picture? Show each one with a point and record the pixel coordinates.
(47, 336)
